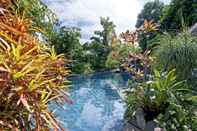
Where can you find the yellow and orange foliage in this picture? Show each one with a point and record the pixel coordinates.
(142, 59)
(31, 75)
(132, 37)
(149, 26)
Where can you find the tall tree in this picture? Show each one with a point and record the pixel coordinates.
(151, 11)
(179, 12)
(65, 40)
(100, 45)
(105, 36)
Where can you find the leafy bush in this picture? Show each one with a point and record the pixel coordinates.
(111, 62)
(164, 99)
(119, 54)
(179, 117)
(96, 54)
(65, 40)
(179, 52)
(31, 75)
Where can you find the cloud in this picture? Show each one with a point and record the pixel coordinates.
(85, 14)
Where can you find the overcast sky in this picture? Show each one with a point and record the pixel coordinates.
(85, 14)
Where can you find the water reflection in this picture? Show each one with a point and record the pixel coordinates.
(97, 104)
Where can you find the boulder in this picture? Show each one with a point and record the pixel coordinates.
(138, 123)
(193, 30)
(140, 118)
(151, 126)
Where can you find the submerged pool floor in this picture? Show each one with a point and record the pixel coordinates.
(96, 106)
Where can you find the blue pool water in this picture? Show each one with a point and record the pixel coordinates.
(97, 105)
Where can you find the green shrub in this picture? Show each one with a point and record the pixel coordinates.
(87, 68)
(179, 52)
(163, 99)
(112, 62)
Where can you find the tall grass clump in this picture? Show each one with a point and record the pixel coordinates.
(31, 75)
(179, 52)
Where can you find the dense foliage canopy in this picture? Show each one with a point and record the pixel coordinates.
(151, 11)
(178, 14)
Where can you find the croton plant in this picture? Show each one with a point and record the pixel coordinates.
(31, 75)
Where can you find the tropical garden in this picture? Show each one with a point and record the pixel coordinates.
(38, 55)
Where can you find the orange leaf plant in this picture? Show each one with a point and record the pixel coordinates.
(31, 75)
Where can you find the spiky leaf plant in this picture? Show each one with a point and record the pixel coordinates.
(165, 99)
(178, 52)
(31, 75)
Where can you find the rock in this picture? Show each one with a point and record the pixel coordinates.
(193, 30)
(151, 126)
(140, 118)
(138, 123)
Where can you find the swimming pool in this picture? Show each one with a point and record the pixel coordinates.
(97, 104)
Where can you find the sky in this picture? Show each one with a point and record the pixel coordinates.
(85, 14)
